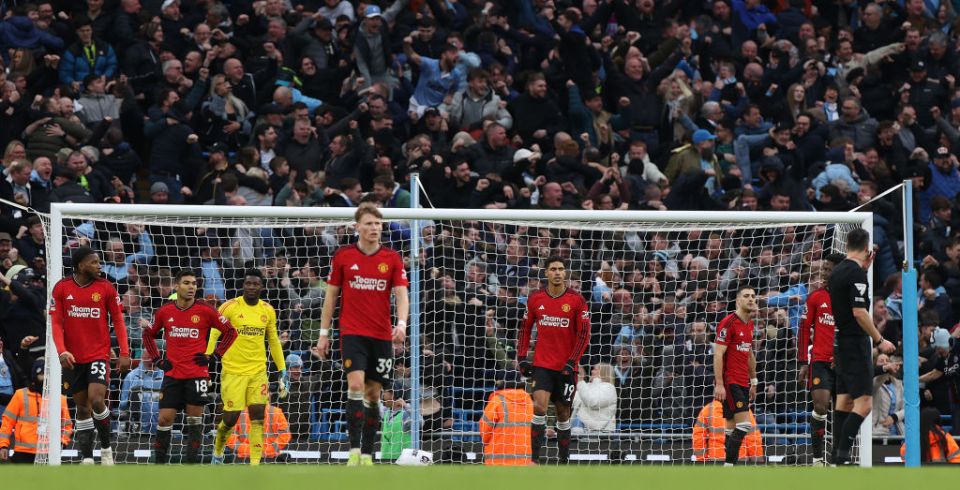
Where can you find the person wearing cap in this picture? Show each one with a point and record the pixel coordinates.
(697, 156)
(297, 404)
(505, 423)
(372, 43)
(937, 380)
(21, 418)
(88, 56)
(944, 181)
(159, 193)
(314, 36)
(925, 94)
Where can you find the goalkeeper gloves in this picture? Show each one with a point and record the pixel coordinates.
(203, 360)
(164, 364)
(526, 368)
(284, 384)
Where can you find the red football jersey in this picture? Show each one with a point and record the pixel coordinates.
(816, 328)
(79, 317)
(186, 332)
(365, 283)
(738, 337)
(563, 329)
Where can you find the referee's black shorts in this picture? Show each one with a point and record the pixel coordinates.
(853, 360)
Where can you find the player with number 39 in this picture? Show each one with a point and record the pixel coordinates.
(365, 274)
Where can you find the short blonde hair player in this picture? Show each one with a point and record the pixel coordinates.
(363, 276)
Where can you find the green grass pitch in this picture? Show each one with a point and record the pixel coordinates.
(274, 477)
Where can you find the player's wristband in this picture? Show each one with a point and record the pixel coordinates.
(324, 332)
(402, 324)
(876, 343)
(754, 381)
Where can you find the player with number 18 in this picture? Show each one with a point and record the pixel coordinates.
(185, 325)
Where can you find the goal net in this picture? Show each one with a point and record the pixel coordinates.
(656, 284)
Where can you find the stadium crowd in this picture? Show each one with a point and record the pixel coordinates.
(602, 105)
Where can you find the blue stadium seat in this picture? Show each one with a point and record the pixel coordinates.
(331, 426)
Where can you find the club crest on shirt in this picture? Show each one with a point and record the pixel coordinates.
(96, 297)
(565, 308)
(383, 267)
(195, 319)
(230, 403)
(739, 404)
(347, 363)
(816, 381)
(263, 318)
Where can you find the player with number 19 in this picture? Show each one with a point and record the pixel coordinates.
(563, 332)
(185, 325)
(365, 275)
(79, 308)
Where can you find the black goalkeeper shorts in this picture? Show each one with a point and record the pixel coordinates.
(853, 361)
(560, 387)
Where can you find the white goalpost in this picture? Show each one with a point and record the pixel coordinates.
(656, 283)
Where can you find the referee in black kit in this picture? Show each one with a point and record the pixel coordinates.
(852, 352)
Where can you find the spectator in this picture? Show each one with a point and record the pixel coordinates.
(140, 397)
(20, 31)
(888, 399)
(21, 418)
(90, 55)
(174, 149)
(854, 124)
(595, 402)
(536, 115)
(477, 102)
(16, 187)
(696, 157)
(298, 404)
